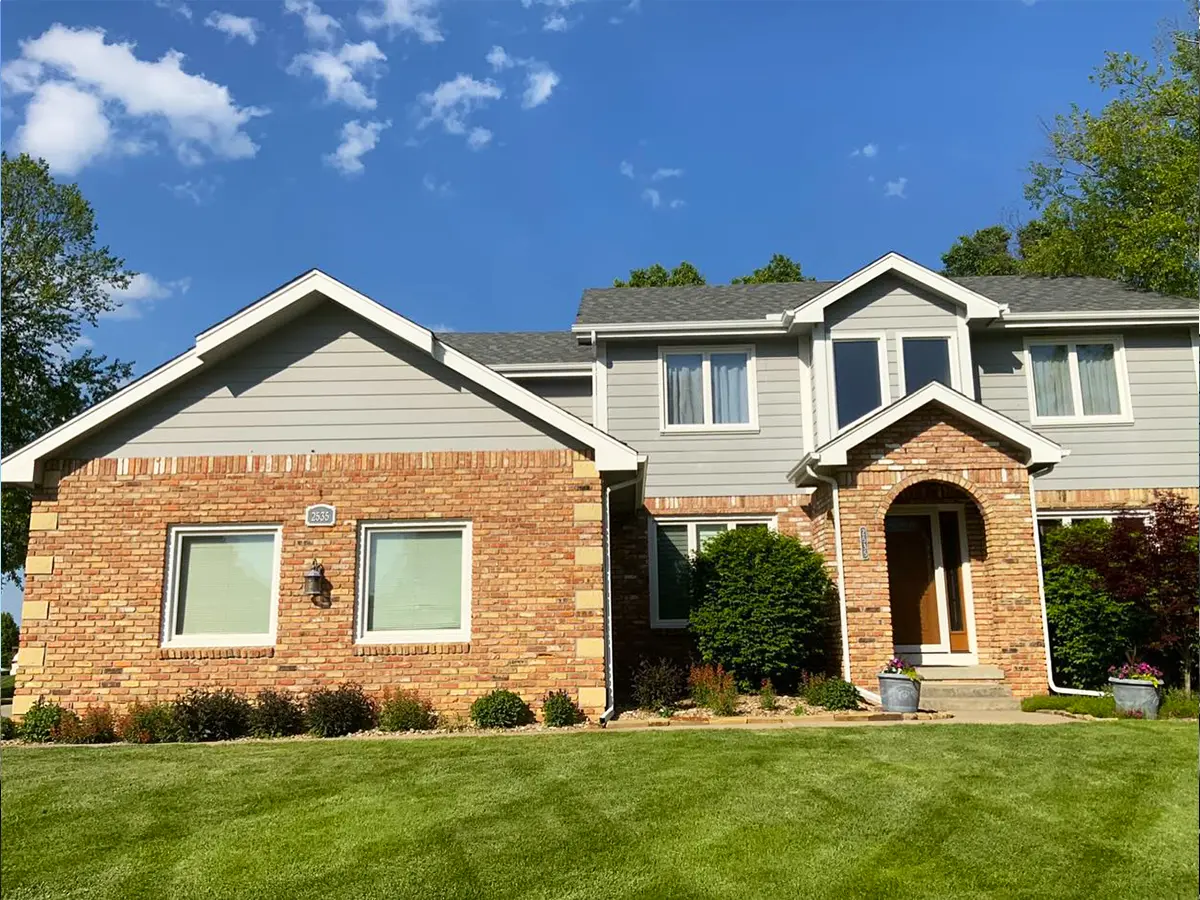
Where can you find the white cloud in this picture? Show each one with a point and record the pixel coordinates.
(175, 7)
(869, 151)
(626, 168)
(200, 191)
(433, 186)
(660, 174)
(479, 138)
(870, 179)
(442, 328)
(556, 22)
(678, 204)
(539, 84)
(141, 295)
(452, 102)
(318, 26)
(896, 188)
(198, 116)
(651, 196)
(499, 59)
(417, 16)
(340, 71)
(242, 27)
(357, 140)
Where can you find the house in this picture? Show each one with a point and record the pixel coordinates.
(321, 490)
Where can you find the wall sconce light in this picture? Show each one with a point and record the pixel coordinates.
(314, 584)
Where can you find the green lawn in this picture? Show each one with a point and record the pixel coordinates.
(943, 811)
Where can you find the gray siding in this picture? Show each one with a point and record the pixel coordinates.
(1159, 449)
(696, 465)
(572, 394)
(889, 305)
(329, 382)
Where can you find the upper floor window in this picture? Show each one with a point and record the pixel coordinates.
(1079, 380)
(924, 358)
(708, 389)
(858, 383)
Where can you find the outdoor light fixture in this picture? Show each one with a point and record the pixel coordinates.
(314, 583)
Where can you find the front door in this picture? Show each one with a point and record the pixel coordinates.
(912, 582)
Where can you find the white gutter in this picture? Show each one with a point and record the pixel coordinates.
(610, 686)
(841, 570)
(1037, 549)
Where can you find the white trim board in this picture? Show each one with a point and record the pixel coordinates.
(24, 466)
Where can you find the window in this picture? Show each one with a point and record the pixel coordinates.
(858, 386)
(222, 586)
(1048, 522)
(922, 360)
(708, 389)
(1078, 381)
(672, 544)
(414, 582)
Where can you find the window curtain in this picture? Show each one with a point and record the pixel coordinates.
(1052, 379)
(415, 580)
(685, 390)
(730, 388)
(674, 584)
(1098, 379)
(225, 584)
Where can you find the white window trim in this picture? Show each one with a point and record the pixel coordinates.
(1195, 336)
(730, 521)
(414, 636)
(175, 536)
(706, 377)
(1125, 416)
(885, 388)
(1068, 516)
(950, 335)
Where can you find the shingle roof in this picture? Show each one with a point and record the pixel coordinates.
(498, 348)
(1023, 294)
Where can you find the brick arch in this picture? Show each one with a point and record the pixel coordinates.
(985, 506)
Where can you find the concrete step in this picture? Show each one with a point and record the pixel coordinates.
(961, 673)
(964, 704)
(977, 689)
(948, 696)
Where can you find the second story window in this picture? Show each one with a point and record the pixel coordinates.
(924, 359)
(708, 389)
(1081, 380)
(857, 383)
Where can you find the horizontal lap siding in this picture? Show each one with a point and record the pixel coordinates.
(712, 464)
(327, 382)
(572, 394)
(1159, 449)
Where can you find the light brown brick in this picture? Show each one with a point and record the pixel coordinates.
(31, 657)
(593, 699)
(46, 521)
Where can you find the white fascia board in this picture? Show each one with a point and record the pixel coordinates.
(545, 370)
(1099, 319)
(976, 305)
(767, 327)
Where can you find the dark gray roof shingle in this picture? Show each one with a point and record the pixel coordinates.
(754, 301)
(498, 348)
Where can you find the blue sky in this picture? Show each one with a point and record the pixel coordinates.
(480, 190)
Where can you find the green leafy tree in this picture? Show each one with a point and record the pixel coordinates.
(658, 276)
(10, 637)
(53, 280)
(779, 270)
(986, 252)
(1117, 197)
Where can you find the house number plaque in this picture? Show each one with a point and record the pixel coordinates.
(320, 514)
(862, 542)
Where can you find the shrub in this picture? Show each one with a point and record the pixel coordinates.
(500, 709)
(343, 710)
(713, 687)
(212, 715)
(1099, 707)
(276, 714)
(657, 685)
(148, 723)
(1177, 704)
(41, 721)
(406, 711)
(762, 604)
(8, 729)
(560, 711)
(95, 726)
(767, 697)
(831, 693)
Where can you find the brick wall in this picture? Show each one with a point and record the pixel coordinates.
(94, 587)
(1108, 498)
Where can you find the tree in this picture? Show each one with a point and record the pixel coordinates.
(10, 637)
(53, 279)
(1117, 197)
(779, 270)
(657, 276)
(986, 252)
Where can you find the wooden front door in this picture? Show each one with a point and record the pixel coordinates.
(912, 584)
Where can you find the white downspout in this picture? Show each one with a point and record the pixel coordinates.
(1037, 547)
(610, 686)
(841, 568)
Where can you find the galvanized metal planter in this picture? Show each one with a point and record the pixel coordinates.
(1135, 697)
(899, 693)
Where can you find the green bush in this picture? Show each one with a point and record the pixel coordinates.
(41, 721)
(657, 685)
(406, 711)
(560, 711)
(767, 698)
(1178, 705)
(1099, 707)
(8, 686)
(762, 604)
(148, 723)
(8, 729)
(830, 693)
(714, 688)
(343, 710)
(95, 726)
(500, 709)
(212, 715)
(276, 714)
